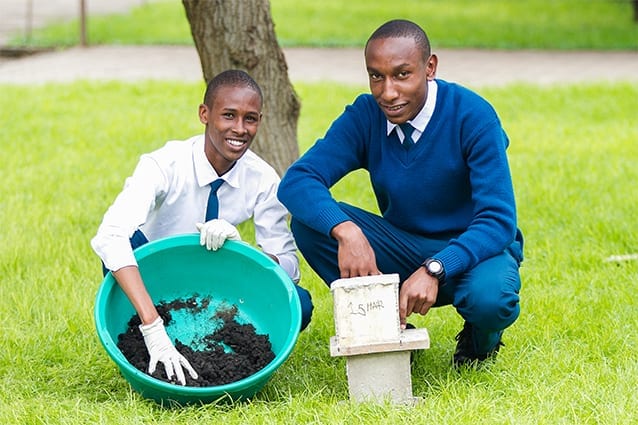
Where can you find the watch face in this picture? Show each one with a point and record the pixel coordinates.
(434, 267)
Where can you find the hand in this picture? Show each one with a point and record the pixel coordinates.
(418, 293)
(161, 349)
(214, 233)
(355, 255)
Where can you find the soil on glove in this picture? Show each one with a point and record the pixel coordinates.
(247, 352)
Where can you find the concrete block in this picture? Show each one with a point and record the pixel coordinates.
(409, 339)
(380, 377)
(366, 309)
(368, 333)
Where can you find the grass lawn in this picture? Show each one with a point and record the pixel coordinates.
(569, 359)
(503, 24)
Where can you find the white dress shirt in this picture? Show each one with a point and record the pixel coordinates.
(168, 193)
(422, 118)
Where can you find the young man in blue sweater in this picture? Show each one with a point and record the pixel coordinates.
(435, 153)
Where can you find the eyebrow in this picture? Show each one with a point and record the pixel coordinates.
(398, 67)
(235, 111)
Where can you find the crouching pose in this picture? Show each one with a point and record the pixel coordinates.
(209, 183)
(435, 153)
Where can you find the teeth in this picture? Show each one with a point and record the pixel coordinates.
(235, 142)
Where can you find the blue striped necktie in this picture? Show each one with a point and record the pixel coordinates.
(407, 135)
(212, 210)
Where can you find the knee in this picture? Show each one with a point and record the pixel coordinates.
(319, 250)
(495, 311)
(489, 298)
(304, 235)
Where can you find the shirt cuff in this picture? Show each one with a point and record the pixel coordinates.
(115, 252)
(291, 267)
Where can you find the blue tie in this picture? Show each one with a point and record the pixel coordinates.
(407, 135)
(213, 203)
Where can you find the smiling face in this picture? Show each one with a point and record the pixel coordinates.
(231, 125)
(398, 75)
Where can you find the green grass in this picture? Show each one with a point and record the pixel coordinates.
(502, 24)
(569, 359)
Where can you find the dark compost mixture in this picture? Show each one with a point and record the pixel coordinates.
(246, 352)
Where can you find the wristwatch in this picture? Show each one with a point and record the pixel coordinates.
(435, 269)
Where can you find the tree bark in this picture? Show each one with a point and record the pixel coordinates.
(240, 34)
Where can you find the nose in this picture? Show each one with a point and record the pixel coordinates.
(389, 92)
(239, 127)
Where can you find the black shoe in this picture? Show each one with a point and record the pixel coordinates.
(465, 354)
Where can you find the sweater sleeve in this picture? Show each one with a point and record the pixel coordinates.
(493, 225)
(305, 188)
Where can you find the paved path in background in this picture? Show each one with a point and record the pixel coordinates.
(18, 16)
(473, 68)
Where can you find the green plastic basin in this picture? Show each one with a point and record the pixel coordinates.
(237, 274)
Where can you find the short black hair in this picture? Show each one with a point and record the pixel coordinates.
(401, 28)
(233, 78)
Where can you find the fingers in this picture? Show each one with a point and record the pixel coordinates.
(178, 371)
(152, 365)
(362, 270)
(175, 366)
(416, 295)
(209, 240)
(202, 239)
(424, 309)
(214, 233)
(188, 367)
(216, 241)
(203, 234)
(170, 372)
(213, 242)
(406, 307)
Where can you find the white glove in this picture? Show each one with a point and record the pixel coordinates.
(161, 349)
(214, 233)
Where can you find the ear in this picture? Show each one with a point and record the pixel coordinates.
(430, 67)
(203, 114)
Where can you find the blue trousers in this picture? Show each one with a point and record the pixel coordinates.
(487, 296)
(138, 239)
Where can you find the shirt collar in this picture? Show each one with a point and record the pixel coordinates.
(205, 173)
(423, 117)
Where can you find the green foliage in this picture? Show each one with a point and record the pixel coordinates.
(570, 358)
(502, 24)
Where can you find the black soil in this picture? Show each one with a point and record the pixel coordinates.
(249, 352)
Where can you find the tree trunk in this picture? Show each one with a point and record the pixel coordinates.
(240, 35)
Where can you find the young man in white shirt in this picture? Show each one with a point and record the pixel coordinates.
(168, 194)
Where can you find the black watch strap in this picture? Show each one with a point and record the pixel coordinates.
(435, 269)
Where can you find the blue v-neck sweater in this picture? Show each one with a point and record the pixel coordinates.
(454, 183)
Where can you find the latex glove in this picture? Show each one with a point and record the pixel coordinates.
(214, 233)
(161, 349)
